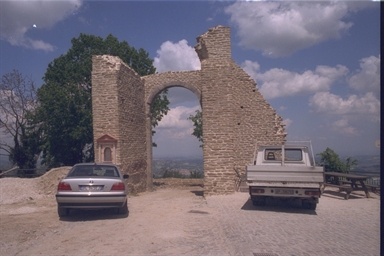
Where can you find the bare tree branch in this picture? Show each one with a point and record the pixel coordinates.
(17, 97)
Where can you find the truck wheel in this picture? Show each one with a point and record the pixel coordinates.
(309, 205)
(62, 212)
(258, 202)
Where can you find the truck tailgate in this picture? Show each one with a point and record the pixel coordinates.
(284, 185)
(278, 173)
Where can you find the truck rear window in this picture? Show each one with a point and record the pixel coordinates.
(290, 155)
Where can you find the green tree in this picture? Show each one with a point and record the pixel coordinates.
(65, 109)
(198, 125)
(159, 109)
(350, 163)
(332, 163)
(17, 100)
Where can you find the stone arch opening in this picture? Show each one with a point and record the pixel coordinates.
(159, 88)
(149, 102)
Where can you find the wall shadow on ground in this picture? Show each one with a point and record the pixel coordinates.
(278, 206)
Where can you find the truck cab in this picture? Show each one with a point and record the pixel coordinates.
(294, 155)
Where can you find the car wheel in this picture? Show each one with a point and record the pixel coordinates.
(62, 212)
(123, 209)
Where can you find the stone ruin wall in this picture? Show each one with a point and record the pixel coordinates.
(105, 99)
(235, 114)
(119, 111)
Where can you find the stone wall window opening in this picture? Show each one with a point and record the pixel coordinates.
(107, 154)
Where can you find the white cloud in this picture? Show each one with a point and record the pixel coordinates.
(342, 126)
(174, 134)
(287, 122)
(175, 124)
(368, 77)
(176, 57)
(326, 102)
(282, 28)
(280, 83)
(177, 118)
(17, 17)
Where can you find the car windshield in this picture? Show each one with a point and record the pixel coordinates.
(94, 171)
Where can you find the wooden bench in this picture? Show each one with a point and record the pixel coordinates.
(373, 188)
(347, 188)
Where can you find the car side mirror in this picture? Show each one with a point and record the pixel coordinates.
(125, 176)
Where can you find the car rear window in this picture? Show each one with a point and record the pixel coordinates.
(94, 171)
(290, 155)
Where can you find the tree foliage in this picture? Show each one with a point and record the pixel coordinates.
(173, 174)
(65, 109)
(332, 163)
(17, 100)
(159, 109)
(197, 120)
(349, 164)
(196, 175)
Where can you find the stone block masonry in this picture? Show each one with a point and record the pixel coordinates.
(236, 117)
(119, 111)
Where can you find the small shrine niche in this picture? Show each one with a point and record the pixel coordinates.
(107, 149)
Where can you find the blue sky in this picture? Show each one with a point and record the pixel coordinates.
(316, 63)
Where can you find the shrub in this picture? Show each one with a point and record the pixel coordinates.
(196, 175)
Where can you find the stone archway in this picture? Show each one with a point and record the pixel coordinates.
(235, 114)
(156, 83)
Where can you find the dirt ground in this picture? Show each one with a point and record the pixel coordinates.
(30, 225)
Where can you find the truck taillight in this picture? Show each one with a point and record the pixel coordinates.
(257, 191)
(64, 187)
(118, 186)
(312, 193)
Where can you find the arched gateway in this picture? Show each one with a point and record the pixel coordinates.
(235, 114)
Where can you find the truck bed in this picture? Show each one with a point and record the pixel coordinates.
(278, 173)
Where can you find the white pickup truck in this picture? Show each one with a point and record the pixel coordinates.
(292, 177)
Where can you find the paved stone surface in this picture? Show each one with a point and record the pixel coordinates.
(180, 221)
(337, 227)
(231, 225)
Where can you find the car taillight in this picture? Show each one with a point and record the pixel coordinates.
(312, 193)
(64, 186)
(257, 191)
(118, 186)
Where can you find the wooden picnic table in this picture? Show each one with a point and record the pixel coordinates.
(346, 182)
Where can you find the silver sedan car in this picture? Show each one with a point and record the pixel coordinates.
(92, 186)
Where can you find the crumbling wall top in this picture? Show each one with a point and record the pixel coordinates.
(215, 44)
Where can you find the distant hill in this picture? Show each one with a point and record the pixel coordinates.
(367, 164)
(183, 165)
